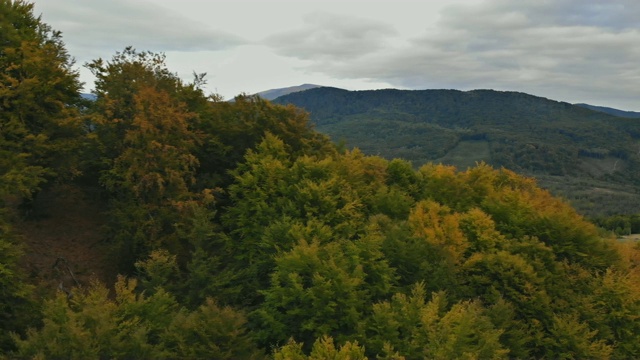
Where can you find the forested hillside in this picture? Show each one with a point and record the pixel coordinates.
(234, 230)
(588, 157)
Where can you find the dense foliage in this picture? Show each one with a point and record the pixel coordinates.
(619, 224)
(39, 132)
(588, 157)
(240, 232)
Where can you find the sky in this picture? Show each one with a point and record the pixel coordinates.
(565, 50)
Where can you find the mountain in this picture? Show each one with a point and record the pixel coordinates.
(588, 157)
(275, 93)
(87, 96)
(612, 111)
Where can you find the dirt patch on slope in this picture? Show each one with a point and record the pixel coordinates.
(62, 237)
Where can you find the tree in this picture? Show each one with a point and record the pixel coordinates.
(323, 348)
(278, 199)
(39, 91)
(321, 289)
(247, 119)
(118, 83)
(571, 338)
(18, 310)
(416, 328)
(156, 163)
(438, 227)
(615, 297)
(146, 128)
(211, 331)
(153, 178)
(39, 131)
(95, 325)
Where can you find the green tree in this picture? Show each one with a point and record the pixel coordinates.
(427, 245)
(503, 276)
(146, 130)
(39, 91)
(39, 140)
(614, 305)
(519, 282)
(211, 331)
(573, 339)
(232, 128)
(416, 328)
(321, 289)
(18, 309)
(158, 271)
(117, 84)
(323, 348)
(278, 199)
(95, 325)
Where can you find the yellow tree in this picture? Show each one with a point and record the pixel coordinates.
(440, 228)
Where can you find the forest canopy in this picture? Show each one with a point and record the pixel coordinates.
(237, 231)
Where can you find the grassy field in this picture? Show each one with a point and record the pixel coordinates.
(466, 154)
(632, 237)
(599, 167)
(593, 197)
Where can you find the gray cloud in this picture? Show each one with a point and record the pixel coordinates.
(571, 50)
(328, 37)
(566, 50)
(611, 14)
(96, 25)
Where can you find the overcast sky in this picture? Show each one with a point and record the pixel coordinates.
(567, 50)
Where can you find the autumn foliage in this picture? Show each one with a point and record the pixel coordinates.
(240, 232)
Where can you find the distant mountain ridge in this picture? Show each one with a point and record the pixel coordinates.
(612, 111)
(590, 157)
(88, 96)
(275, 93)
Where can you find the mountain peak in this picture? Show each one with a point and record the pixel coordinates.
(275, 93)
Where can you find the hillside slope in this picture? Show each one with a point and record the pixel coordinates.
(589, 157)
(64, 240)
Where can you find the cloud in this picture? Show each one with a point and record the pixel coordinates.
(115, 24)
(571, 50)
(566, 49)
(612, 14)
(328, 37)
